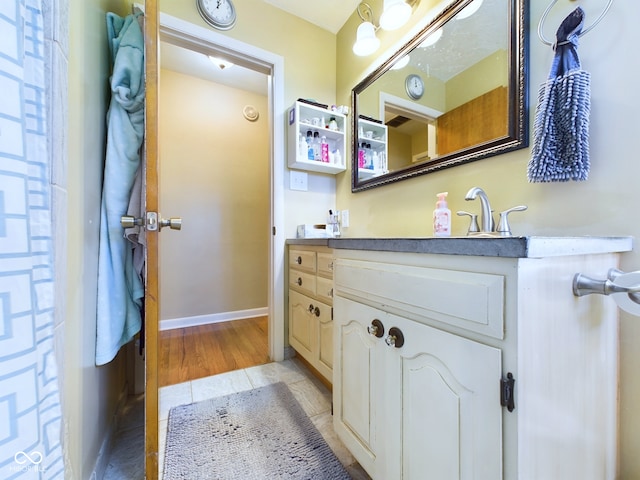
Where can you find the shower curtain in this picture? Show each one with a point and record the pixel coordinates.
(30, 413)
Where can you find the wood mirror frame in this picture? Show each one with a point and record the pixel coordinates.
(510, 97)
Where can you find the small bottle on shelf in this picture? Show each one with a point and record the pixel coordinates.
(316, 146)
(324, 150)
(310, 152)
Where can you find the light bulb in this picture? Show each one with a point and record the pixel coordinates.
(366, 40)
(395, 14)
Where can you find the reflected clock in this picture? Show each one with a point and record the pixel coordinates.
(414, 86)
(220, 14)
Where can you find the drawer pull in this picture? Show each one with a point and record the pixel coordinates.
(299, 282)
(376, 328)
(299, 260)
(395, 338)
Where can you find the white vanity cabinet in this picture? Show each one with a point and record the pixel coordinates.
(436, 404)
(303, 118)
(310, 306)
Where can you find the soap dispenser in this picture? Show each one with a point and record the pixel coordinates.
(442, 217)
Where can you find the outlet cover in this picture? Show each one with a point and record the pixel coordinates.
(298, 180)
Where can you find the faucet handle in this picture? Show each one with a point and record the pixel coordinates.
(504, 228)
(473, 225)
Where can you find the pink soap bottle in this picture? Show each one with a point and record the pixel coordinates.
(442, 217)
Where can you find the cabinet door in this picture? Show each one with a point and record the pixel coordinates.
(303, 331)
(357, 381)
(446, 420)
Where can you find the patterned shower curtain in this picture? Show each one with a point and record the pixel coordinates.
(30, 413)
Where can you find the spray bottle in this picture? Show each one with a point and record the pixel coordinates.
(442, 217)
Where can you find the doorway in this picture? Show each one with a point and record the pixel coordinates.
(214, 170)
(205, 41)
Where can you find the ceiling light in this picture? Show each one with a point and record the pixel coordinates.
(395, 14)
(469, 9)
(220, 62)
(432, 39)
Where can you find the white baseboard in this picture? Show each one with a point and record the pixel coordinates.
(171, 323)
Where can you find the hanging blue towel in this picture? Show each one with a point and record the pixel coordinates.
(120, 288)
(561, 129)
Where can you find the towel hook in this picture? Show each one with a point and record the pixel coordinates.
(548, 9)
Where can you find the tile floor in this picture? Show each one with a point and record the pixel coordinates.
(313, 396)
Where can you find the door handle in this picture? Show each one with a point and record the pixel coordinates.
(174, 223)
(127, 221)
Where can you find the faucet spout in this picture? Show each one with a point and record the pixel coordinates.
(487, 224)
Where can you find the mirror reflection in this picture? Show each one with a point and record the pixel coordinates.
(452, 95)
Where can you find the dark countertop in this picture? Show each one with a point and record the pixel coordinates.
(513, 247)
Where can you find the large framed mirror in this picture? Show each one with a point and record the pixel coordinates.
(455, 93)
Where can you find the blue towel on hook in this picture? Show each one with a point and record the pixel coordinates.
(561, 128)
(120, 288)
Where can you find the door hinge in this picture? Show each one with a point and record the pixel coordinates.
(507, 394)
(273, 230)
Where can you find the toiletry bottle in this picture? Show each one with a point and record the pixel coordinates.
(316, 146)
(310, 153)
(324, 150)
(303, 147)
(333, 125)
(442, 217)
(361, 159)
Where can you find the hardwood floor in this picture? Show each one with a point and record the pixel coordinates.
(195, 352)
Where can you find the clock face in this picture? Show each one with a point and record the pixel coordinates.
(220, 14)
(414, 86)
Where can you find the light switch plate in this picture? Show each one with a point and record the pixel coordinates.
(298, 180)
(344, 220)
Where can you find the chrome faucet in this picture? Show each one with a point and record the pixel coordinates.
(486, 220)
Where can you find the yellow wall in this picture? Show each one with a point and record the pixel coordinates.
(214, 173)
(90, 394)
(489, 73)
(606, 204)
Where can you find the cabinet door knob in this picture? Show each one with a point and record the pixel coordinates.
(311, 308)
(376, 328)
(299, 282)
(299, 260)
(395, 338)
(317, 311)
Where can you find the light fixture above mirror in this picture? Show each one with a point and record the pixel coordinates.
(395, 14)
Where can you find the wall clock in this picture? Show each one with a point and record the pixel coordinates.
(220, 14)
(414, 86)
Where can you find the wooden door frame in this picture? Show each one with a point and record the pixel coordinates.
(203, 39)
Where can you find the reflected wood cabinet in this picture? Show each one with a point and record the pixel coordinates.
(424, 344)
(484, 119)
(311, 306)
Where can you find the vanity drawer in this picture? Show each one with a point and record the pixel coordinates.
(469, 300)
(325, 264)
(303, 282)
(303, 260)
(324, 289)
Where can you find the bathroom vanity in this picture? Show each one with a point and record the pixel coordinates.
(470, 358)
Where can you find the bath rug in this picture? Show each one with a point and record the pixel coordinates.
(253, 435)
